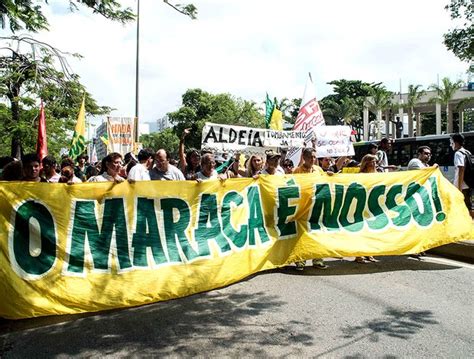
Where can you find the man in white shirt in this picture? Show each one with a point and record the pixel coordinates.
(163, 170)
(49, 169)
(457, 143)
(141, 171)
(424, 156)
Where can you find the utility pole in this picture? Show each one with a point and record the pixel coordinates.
(137, 72)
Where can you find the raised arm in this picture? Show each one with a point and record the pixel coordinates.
(182, 155)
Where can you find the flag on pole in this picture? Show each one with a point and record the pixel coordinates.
(269, 106)
(309, 117)
(105, 139)
(276, 122)
(78, 144)
(93, 158)
(41, 143)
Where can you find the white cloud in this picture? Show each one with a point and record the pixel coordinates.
(247, 48)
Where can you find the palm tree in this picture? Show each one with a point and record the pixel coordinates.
(345, 110)
(380, 99)
(414, 95)
(445, 94)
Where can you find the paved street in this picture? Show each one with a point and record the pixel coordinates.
(396, 308)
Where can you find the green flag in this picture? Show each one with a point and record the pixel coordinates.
(78, 144)
(269, 107)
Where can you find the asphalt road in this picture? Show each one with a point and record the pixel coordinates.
(396, 308)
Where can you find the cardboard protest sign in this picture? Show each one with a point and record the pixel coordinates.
(333, 141)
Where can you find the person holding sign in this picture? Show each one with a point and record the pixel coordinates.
(190, 163)
(309, 166)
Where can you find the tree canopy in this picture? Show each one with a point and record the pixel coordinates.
(460, 40)
(28, 14)
(40, 71)
(199, 106)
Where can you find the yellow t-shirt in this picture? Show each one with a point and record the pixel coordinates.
(314, 169)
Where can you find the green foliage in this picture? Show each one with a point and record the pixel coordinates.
(166, 139)
(347, 102)
(25, 77)
(460, 40)
(199, 106)
(28, 14)
(446, 90)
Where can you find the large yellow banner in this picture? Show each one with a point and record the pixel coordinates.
(96, 246)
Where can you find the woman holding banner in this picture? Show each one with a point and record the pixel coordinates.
(110, 169)
(368, 164)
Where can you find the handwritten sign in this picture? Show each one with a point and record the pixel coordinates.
(333, 141)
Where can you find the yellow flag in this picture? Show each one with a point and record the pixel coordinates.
(276, 122)
(78, 144)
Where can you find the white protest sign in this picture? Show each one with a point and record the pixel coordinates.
(333, 141)
(242, 139)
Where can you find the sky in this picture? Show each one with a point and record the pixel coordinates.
(250, 47)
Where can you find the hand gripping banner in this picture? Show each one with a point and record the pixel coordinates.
(88, 247)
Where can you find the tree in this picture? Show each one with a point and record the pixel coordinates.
(414, 95)
(28, 14)
(199, 106)
(348, 89)
(40, 72)
(345, 110)
(380, 99)
(166, 139)
(460, 40)
(445, 94)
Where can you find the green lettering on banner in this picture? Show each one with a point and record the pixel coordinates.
(255, 221)
(85, 224)
(142, 239)
(422, 218)
(239, 238)
(323, 204)
(284, 210)
(404, 214)
(440, 215)
(354, 192)
(209, 227)
(175, 231)
(380, 219)
(34, 264)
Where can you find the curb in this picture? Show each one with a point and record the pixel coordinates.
(461, 251)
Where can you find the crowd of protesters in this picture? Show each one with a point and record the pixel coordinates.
(204, 165)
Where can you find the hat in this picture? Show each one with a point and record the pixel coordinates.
(272, 154)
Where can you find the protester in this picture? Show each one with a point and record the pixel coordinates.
(254, 166)
(163, 170)
(110, 169)
(382, 157)
(372, 149)
(49, 169)
(13, 171)
(189, 163)
(272, 166)
(208, 171)
(288, 166)
(460, 175)
(69, 162)
(80, 169)
(5, 160)
(141, 171)
(309, 166)
(368, 164)
(31, 168)
(67, 175)
(309, 162)
(421, 161)
(328, 164)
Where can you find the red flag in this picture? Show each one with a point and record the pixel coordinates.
(41, 144)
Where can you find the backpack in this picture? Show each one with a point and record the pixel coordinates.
(468, 167)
